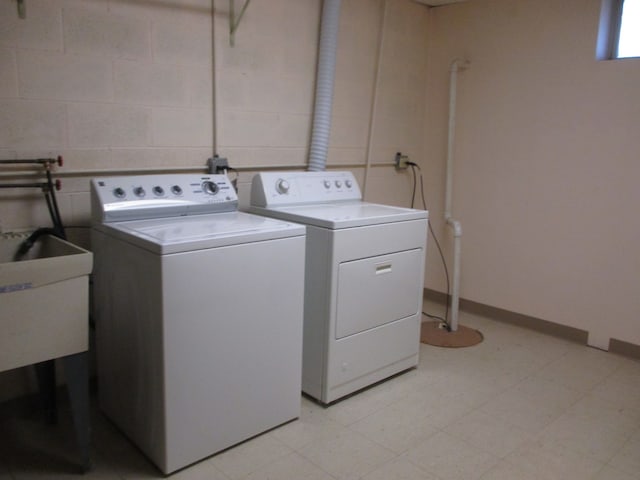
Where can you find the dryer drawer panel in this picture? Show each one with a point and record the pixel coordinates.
(377, 290)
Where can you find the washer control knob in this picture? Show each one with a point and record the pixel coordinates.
(348, 183)
(282, 186)
(176, 190)
(139, 192)
(327, 184)
(119, 192)
(339, 183)
(209, 187)
(158, 191)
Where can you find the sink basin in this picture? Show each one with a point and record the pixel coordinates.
(44, 301)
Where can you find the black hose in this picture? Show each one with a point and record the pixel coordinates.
(30, 241)
(50, 194)
(49, 206)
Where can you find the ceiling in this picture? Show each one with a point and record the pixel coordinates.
(437, 3)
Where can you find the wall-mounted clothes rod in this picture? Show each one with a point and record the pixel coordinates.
(33, 161)
(43, 185)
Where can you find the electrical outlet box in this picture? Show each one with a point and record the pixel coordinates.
(401, 161)
(217, 164)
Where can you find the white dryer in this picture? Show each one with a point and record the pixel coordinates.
(198, 348)
(363, 281)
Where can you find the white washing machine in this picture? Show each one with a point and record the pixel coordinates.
(198, 311)
(363, 281)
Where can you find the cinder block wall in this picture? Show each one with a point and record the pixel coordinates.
(107, 84)
(121, 85)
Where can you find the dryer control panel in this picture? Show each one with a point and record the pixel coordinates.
(139, 197)
(270, 189)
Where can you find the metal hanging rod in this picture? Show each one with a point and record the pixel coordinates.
(33, 161)
(43, 185)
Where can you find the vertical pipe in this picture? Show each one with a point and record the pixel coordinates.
(453, 85)
(214, 114)
(324, 85)
(455, 288)
(374, 99)
(456, 65)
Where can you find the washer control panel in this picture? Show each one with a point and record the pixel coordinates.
(153, 196)
(269, 189)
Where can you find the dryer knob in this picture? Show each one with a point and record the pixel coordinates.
(139, 191)
(119, 192)
(282, 186)
(209, 187)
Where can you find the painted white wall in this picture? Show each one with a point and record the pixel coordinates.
(546, 163)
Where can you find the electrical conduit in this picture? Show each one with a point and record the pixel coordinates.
(324, 85)
(456, 66)
(374, 99)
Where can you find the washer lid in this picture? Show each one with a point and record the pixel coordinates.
(343, 215)
(184, 234)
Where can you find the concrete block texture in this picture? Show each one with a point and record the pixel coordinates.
(150, 84)
(264, 129)
(185, 39)
(177, 127)
(8, 76)
(56, 76)
(95, 125)
(28, 125)
(42, 29)
(99, 33)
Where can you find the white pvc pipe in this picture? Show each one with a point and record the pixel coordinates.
(324, 85)
(456, 65)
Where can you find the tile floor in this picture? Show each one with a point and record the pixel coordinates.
(519, 406)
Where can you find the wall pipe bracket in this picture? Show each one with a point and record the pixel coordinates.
(234, 21)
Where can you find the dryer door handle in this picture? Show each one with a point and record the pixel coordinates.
(383, 268)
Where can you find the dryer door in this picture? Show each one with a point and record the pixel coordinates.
(377, 290)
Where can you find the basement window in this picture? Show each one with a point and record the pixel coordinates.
(619, 31)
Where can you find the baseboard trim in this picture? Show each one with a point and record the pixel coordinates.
(532, 323)
(624, 348)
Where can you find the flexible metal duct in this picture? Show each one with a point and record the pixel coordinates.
(324, 85)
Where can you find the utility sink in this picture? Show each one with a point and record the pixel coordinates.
(44, 301)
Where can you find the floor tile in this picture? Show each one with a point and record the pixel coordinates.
(248, 457)
(548, 463)
(488, 433)
(590, 428)
(199, 471)
(449, 458)
(627, 458)
(533, 404)
(362, 404)
(292, 466)
(395, 428)
(580, 368)
(313, 425)
(349, 455)
(504, 470)
(622, 389)
(609, 473)
(437, 406)
(399, 469)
